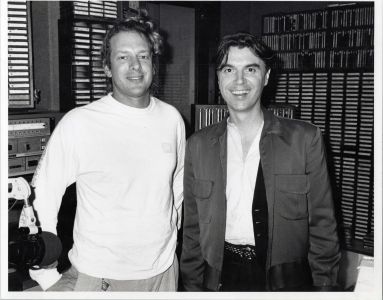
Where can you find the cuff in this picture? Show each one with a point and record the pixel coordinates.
(45, 277)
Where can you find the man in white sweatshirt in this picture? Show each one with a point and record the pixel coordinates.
(125, 152)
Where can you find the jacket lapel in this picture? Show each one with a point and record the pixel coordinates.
(220, 136)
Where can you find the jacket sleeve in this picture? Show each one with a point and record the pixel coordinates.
(192, 262)
(324, 254)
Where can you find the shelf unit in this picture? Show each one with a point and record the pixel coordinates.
(325, 68)
(28, 128)
(20, 57)
(82, 28)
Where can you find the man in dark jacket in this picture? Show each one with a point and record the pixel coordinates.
(258, 207)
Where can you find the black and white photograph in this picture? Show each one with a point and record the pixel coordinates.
(191, 149)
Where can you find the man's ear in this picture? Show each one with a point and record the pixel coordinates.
(107, 71)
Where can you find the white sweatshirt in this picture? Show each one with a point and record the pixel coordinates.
(128, 167)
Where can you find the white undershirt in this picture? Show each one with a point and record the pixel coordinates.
(241, 178)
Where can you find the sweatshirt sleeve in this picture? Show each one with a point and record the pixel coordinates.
(55, 172)
(179, 171)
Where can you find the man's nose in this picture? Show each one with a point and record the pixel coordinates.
(134, 63)
(239, 77)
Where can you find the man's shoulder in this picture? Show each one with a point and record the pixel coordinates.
(75, 114)
(209, 132)
(296, 124)
(71, 116)
(166, 108)
(296, 130)
(78, 113)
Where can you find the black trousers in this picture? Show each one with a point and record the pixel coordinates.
(239, 274)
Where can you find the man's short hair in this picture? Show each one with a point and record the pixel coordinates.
(243, 40)
(141, 24)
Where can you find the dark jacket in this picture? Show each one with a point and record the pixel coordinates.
(302, 238)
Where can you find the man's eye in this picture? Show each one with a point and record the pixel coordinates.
(144, 56)
(227, 70)
(251, 70)
(123, 57)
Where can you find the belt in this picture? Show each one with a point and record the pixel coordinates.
(241, 252)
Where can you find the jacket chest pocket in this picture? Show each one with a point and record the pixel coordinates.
(202, 190)
(291, 196)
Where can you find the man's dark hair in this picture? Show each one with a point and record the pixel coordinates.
(243, 40)
(141, 24)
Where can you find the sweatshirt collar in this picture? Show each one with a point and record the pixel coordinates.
(129, 109)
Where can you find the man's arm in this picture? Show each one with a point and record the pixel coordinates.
(192, 263)
(179, 172)
(55, 171)
(324, 252)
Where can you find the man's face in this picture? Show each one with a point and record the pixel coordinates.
(242, 79)
(131, 67)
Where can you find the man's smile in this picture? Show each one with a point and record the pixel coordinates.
(135, 77)
(240, 92)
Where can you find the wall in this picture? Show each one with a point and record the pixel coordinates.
(45, 15)
(177, 82)
(176, 78)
